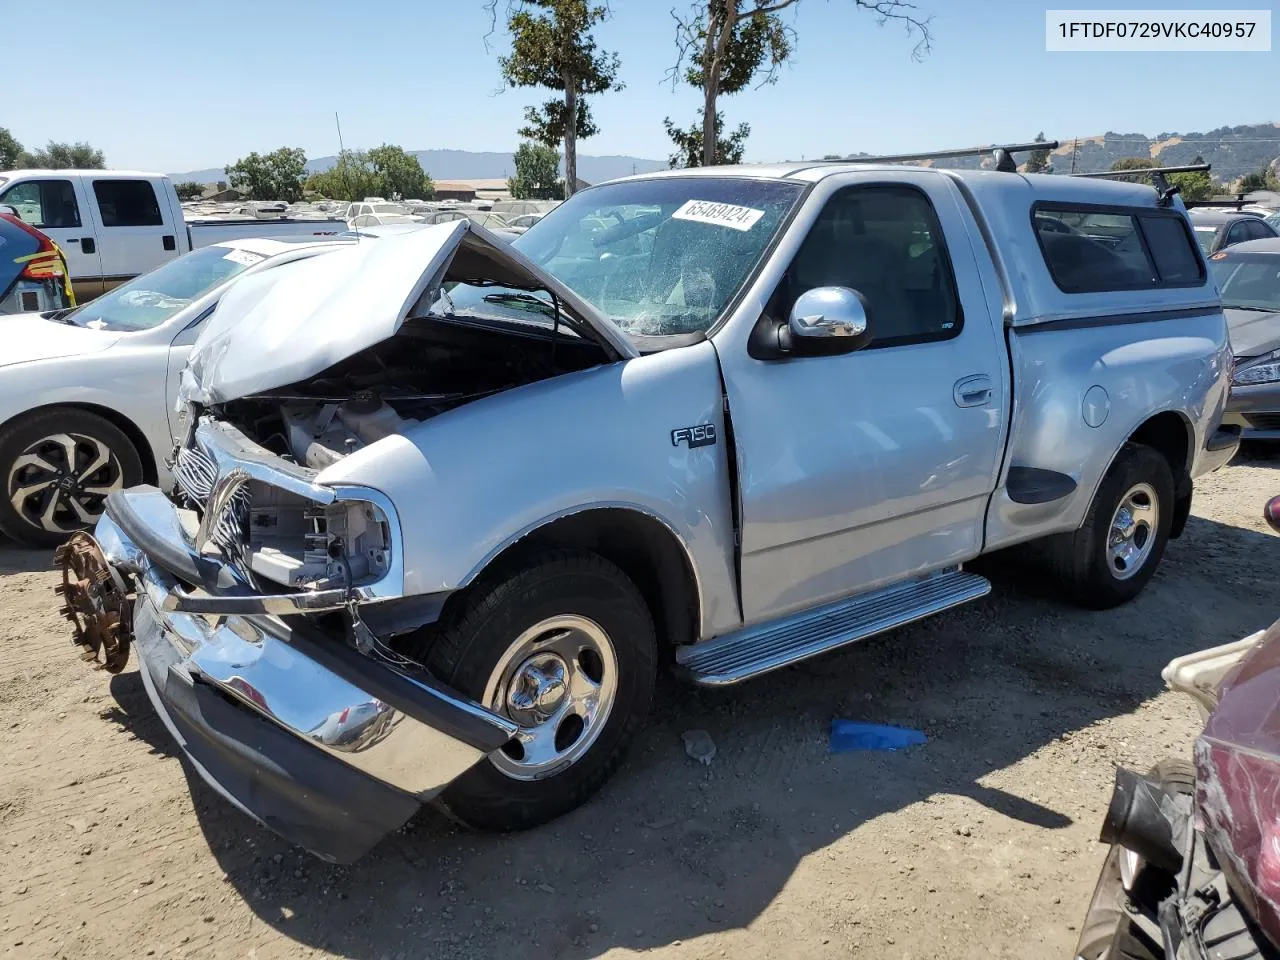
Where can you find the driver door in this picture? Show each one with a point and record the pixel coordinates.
(866, 468)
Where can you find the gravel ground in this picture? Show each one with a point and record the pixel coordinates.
(979, 844)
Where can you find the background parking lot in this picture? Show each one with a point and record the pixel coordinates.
(979, 844)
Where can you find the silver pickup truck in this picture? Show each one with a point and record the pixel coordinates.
(445, 505)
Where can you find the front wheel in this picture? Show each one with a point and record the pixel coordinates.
(563, 645)
(1116, 550)
(58, 467)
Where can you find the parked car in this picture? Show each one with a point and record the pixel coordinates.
(87, 396)
(1216, 229)
(366, 220)
(1248, 277)
(1191, 870)
(368, 208)
(523, 222)
(1273, 221)
(33, 271)
(727, 418)
(113, 225)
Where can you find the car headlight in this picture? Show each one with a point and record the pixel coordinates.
(1265, 369)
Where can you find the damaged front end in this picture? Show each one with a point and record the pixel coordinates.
(264, 599)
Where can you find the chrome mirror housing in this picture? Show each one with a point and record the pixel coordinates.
(827, 320)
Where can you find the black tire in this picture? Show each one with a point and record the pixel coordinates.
(1080, 560)
(87, 430)
(476, 637)
(1107, 930)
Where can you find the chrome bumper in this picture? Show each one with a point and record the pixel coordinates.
(403, 731)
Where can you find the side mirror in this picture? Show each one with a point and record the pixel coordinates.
(826, 321)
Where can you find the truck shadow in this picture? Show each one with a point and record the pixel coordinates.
(671, 850)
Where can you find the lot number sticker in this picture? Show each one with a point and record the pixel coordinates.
(243, 257)
(719, 214)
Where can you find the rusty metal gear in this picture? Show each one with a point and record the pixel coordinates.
(96, 601)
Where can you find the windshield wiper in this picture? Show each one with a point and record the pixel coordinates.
(519, 298)
(1244, 306)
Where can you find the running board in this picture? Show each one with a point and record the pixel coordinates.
(779, 643)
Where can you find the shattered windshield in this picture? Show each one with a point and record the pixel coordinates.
(658, 257)
(151, 299)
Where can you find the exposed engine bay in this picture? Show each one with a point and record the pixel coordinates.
(432, 365)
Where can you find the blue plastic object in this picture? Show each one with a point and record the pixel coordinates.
(847, 735)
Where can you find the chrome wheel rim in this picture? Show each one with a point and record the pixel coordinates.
(59, 483)
(557, 682)
(1132, 535)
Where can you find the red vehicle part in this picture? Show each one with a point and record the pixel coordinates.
(46, 265)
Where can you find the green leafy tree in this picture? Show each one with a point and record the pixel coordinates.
(1191, 186)
(689, 150)
(273, 176)
(11, 152)
(552, 47)
(1038, 161)
(188, 190)
(1262, 179)
(353, 177)
(537, 173)
(1132, 163)
(722, 46)
(66, 156)
(401, 173)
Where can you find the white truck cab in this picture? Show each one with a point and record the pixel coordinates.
(114, 225)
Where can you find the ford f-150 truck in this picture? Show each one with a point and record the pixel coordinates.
(114, 225)
(445, 505)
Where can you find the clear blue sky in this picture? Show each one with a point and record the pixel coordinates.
(176, 86)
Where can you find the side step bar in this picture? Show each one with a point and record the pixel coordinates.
(779, 643)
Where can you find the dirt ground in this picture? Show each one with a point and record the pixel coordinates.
(980, 844)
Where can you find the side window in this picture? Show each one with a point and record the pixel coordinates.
(50, 204)
(1238, 233)
(1260, 231)
(1172, 249)
(886, 243)
(127, 203)
(1088, 250)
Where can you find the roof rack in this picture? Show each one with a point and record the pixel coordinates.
(1158, 177)
(1238, 201)
(1001, 152)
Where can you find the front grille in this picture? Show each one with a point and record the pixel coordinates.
(195, 473)
(1263, 421)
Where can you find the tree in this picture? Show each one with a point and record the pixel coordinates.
(188, 190)
(1262, 179)
(400, 173)
(274, 176)
(1132, 163)
(554, 49)
(537, 173)
(11, 152)
(688, 143)
(1193, 186)
(66, 156)
(1038, 162)
(722, 45)
(351, 178)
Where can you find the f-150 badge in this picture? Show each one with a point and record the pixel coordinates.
(701, 436)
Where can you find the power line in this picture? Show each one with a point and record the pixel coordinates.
(1180, 141)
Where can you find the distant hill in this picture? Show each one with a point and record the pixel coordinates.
(468, 165)
(1231, 151)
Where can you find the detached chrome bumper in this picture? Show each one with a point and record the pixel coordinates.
(324, 745)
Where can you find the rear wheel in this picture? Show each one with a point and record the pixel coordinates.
(1107, 932)
(563, 645)
(58, 467)
(1115, 551)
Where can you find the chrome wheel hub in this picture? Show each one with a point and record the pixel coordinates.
(557, 681)
(1132, 535)
(59, 483)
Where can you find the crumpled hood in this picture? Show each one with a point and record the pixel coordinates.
(1252, 332)
(289, 323)
(27, 337)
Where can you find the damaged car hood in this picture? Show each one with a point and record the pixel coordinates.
(292, 322)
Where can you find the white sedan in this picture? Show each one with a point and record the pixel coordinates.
(87, 395)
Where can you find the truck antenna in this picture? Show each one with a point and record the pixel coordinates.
(342, 163)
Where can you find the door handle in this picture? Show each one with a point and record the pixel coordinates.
(72, 240)
(972, 391)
